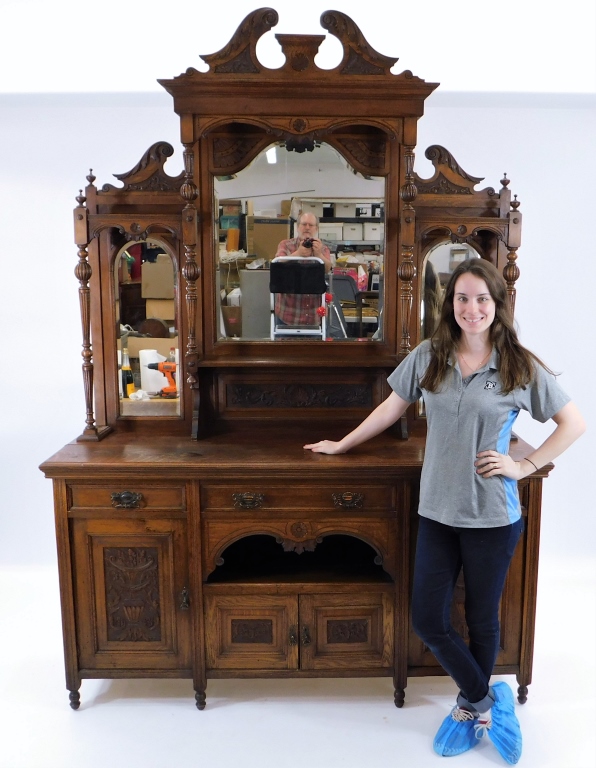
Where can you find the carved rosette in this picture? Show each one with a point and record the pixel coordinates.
(132, 594)
(290, 545)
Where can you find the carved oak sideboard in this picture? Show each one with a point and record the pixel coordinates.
(196, 538)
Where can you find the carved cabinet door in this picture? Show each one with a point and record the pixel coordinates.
(131, 594)
(346, 631)
(251, 631)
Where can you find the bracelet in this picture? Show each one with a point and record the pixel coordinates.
(531, 462)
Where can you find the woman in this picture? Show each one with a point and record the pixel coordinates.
(474, 376)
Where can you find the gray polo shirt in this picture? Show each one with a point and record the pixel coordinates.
(464, 417)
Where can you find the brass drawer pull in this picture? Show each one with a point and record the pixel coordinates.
(293, 640)
(126, 500)
(184, 599)
(248, 500)
(348, 500)
(306, 639)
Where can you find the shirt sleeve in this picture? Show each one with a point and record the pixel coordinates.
(543, 397)
(283, 249)
(405, 379)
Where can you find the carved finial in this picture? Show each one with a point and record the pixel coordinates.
(91, 178)
(515, 203)
(80, 198)
(505, 181)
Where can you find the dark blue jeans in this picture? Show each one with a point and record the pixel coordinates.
(484, 554)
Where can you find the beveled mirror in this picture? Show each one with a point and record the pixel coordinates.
(261, 205)
(147, 329)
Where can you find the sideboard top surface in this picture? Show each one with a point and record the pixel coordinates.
(259, 452)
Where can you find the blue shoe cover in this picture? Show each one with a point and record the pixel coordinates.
(454, 736)
(505, 732)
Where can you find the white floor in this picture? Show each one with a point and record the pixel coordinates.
(275, 723)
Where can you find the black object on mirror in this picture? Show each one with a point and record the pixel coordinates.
(307, 243)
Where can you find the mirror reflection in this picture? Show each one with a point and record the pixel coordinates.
(146, 330)
(312, 218)
(439, 264)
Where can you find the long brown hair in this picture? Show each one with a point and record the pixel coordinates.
(516, 363)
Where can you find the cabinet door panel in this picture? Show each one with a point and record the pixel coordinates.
(346, 631)
(129, 576)
(251, 632)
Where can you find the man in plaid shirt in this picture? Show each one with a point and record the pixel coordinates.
(301, 309)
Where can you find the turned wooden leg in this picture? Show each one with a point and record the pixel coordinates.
(75, 699)
(201, 699)
(522, 694)
(399, 696)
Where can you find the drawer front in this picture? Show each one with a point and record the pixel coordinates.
(123, 495)
(254, 494)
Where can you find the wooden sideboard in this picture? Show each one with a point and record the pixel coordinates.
(255, 558)
(196, 538)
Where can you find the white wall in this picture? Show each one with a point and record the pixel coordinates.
(545, 143)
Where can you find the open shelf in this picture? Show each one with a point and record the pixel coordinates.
(337, 558)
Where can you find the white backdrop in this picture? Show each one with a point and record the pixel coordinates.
(543, 140)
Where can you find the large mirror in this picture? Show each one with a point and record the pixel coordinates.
(146, 323)
(287, 197)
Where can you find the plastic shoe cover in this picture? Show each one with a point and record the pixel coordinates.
(505, 732)
(456, 734)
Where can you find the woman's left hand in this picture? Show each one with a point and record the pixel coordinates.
(490, 463)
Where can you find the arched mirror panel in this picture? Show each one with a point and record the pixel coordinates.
(438, 266)
(147, 328)
(287, 197)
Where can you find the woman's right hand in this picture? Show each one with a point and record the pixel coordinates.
(325, 446)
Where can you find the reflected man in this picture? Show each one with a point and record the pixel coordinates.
(301, 309)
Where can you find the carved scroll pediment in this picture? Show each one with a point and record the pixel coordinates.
(449, 177)
(359, 58)
(239, 55)
(148, 175)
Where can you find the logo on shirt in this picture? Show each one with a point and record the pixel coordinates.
(490, 385)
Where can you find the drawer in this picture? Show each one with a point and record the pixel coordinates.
(127, 495)
(266, 496)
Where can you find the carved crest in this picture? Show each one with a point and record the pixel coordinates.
(239, 55)
(449, 177)
(148, 174)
